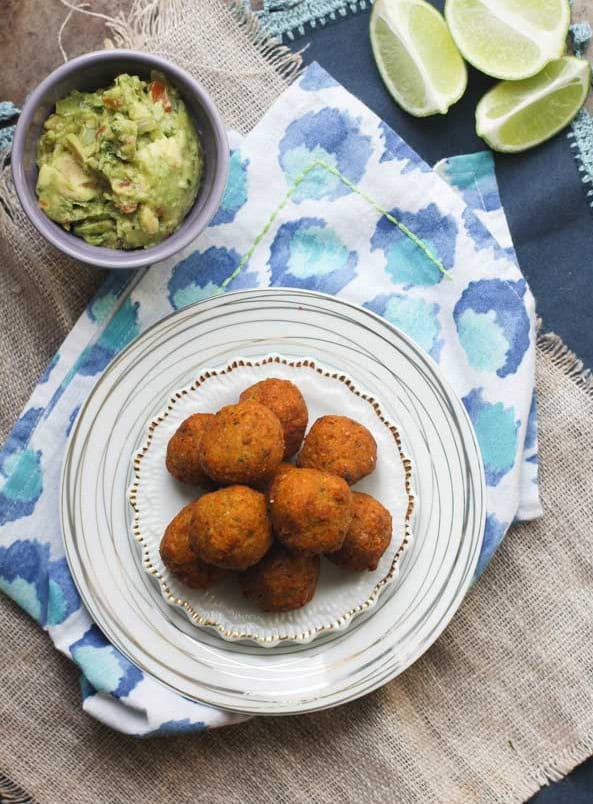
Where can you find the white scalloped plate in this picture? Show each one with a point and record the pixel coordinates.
(156, 498)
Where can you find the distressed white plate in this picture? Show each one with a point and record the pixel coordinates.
(435, 571)
(156, 498)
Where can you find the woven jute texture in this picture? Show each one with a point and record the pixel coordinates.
(42, 292)
(500, 705)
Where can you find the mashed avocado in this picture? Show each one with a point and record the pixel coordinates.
(120, 167)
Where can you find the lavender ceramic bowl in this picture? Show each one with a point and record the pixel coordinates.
(88, 73)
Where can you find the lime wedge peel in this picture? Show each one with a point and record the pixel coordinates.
(509, 39)
(516, 115)
(416, 56)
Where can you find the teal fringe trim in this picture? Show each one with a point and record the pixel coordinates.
(580, 34)
(6, 135)
(581, 142)
(580, 135)
(7, 111)
(291, 18)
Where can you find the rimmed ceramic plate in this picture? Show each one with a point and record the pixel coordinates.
(435, 572)
(156, 498)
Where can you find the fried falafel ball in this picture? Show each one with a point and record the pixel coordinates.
(242, 443)
(310, 510)
(341, 446)
(368, 536)
(282, 581)
(284, 467)
(230, 528)
(286, 401)
(182, 451)
(181, 560)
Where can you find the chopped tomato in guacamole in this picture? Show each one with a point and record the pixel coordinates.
(120, 167)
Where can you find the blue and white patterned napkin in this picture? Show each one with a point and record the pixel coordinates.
(302, 209)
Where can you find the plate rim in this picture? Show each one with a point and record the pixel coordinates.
(346, 693)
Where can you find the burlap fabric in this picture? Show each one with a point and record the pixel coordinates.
(500, 705)
(42, 293)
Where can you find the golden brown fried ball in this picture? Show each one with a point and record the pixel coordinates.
(182, 451)
(286, 401)
(230, 528)
(282, 581)
(243, 443)
(341, 446)
(180, 559)
(284, 467)
(310, 510)
(368, 536)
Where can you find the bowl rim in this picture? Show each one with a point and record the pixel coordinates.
(76, 247)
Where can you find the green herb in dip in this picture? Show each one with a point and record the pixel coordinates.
(120, 167)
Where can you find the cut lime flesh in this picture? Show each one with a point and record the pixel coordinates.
(509, 39)
(416, 56)
(517, 115)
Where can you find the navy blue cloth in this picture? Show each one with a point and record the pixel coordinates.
(541, 189)
(544, 198)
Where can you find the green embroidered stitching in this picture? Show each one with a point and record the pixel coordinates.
(291, 191)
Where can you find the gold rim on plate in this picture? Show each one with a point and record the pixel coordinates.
(200, 620)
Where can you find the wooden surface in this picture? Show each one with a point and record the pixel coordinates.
(29, 39)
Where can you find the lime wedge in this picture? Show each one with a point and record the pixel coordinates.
(416, 56)
(509, 39)
(516, 115)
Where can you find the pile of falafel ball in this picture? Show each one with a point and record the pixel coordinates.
(263, 517)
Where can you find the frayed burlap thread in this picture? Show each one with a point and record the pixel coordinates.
(501, 705)
(219, 42)
(42, 292)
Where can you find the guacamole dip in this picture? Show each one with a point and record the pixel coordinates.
(120, 167)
